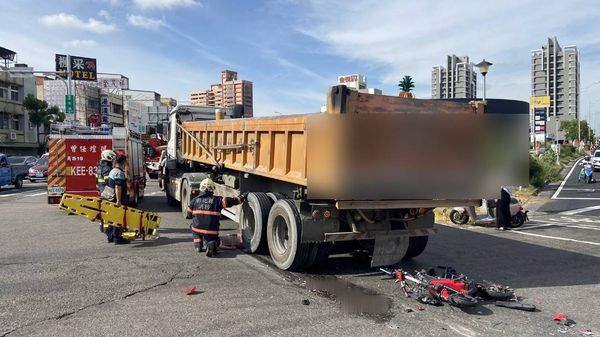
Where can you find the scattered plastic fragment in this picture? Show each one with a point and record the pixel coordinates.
(559, 316)
(305, 302)
(393, 327)
(420, 308)
(189, 291)
(408, 310)
(586, 332)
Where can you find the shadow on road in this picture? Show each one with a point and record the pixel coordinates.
(157, 203)
(487, 257)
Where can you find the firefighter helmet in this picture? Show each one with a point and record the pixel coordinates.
(207, 185)
(108, 155)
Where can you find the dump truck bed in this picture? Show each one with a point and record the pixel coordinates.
(369, 147)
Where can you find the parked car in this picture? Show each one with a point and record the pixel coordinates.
(596, 160)
(12, 174)
(22, 160)
(39, 170)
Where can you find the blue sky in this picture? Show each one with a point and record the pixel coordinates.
(294, 50)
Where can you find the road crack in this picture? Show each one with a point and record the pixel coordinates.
(102, 302)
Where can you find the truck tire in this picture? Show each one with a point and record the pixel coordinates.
(284, 230)
(416, 246)
(19, 182)
(319, 253)
(253, 222)
(185, 197)
(274, 196)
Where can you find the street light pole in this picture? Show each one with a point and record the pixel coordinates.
(484, 66)
(556, 139)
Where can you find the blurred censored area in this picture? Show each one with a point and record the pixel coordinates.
(389, 156)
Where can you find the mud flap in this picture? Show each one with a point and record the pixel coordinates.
(389, 250)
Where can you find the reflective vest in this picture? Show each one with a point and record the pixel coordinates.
(102, 174)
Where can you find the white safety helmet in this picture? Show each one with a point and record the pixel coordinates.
(207, 185)
(108, 155)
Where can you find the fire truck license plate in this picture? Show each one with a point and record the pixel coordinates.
(56, 190)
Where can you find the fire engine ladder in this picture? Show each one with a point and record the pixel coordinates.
(134, 222)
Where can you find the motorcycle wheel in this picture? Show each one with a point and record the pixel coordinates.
(518, 220)
(497, 291)
(461, 300)
(458, 218)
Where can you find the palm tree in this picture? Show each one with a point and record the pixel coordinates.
(407, 84)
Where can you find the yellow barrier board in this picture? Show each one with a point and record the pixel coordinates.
(134, 222)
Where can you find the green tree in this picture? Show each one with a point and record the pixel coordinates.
(38, 114)
(407, 84)
(571, 130)
(55, 115)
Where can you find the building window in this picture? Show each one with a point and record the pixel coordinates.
(4, 121)
(14, 93)
(3, 91)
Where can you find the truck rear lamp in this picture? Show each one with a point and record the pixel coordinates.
(195, 192)
(327, 214)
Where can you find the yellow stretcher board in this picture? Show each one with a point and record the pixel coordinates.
(134, 222)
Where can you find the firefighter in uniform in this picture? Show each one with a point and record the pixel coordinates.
(106, 164)
(104, 168)
(205, 210)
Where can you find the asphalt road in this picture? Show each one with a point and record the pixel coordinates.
(59, 277)
(574, 197)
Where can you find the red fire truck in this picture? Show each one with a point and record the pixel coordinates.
(74, 155)
(152, 150)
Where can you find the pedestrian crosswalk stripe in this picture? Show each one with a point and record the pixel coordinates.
(581, 210)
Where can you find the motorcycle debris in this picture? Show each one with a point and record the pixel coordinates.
(305, 302)
(407, 310)
(586, 332)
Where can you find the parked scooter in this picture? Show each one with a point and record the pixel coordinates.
(586, 173)
(461, 215)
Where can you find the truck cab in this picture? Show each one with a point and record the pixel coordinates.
(11, 174)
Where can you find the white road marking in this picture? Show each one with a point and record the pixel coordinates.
(567, 198)
(579, 189)
(36, 194)
(580, 210)
(8, 195)
(557, 238)
(565, 180)
(560, 225)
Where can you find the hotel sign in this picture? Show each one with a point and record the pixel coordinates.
(82, 68)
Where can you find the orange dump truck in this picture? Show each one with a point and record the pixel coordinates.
(364, 175)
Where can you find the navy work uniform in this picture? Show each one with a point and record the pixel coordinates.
(205, 210)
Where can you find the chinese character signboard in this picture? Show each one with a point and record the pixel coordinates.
(69, 104)
(114, 83)
(82, 68)
(353, 81)
(539, 101)
(104, 109)
(539, 120)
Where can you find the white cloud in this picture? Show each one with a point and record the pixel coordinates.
(105, 14)
(144, 22)
(80, 43)
(397, 38)
(163, 4)
(64, 20)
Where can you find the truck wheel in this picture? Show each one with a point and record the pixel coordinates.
(274, 196)
(416, 246)
(253, 222)
(19, 182)
(319, 253)
(284, 230)
(185, 197)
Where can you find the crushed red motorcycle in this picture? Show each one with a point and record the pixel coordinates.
(451, 287)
